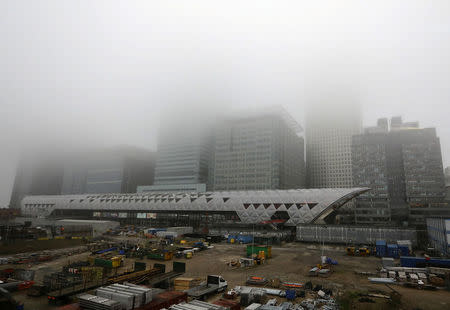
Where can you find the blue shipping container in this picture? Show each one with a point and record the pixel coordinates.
(381, 248)
(403, 250)
(420, 262)
(392, 250)
(410, 261)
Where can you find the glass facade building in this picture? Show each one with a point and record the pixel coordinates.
(183, 156)
(329, 132)
(403, 168)
(257, 152)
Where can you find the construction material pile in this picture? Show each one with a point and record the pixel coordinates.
(130, 296)
(182, 283)
(88, 301)
(197, 305)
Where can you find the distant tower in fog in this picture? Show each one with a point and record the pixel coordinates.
(329, 130)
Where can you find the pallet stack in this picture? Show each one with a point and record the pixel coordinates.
(182, 284)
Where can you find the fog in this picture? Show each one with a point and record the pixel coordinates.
(100, 73)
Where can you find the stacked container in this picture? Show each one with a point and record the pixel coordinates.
(392, 250)
(404, 247)
(381, 248)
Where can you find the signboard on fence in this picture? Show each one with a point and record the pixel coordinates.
(151, 215)
(141, 215)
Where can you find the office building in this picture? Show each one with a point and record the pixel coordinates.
(439, 234)
(257, 151)
(447, 184)
(403, 168)
(370, 168)
(115, 170)
(447, 176)
(37, 174)
(172, 188)
(329, 131)
(184, 154)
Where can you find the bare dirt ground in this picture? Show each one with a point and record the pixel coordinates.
(290, 262)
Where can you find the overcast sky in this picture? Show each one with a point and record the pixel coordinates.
(91, 72)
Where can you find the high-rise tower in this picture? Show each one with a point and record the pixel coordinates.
(329, 131)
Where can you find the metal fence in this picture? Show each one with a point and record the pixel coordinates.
(353, 234)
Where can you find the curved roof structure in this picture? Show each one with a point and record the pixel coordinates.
(301, 205)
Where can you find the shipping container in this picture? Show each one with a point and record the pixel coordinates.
(392, 250)
(381, 248)
(404, 247)
(403, 250)
(421, 262)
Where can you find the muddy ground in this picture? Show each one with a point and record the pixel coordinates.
(290, 262)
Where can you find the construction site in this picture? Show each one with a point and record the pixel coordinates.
(160, 268)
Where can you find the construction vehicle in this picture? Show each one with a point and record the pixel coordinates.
(214, 284)
(351, 250)
(362, 251)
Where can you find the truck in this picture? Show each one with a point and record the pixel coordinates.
(214, 284)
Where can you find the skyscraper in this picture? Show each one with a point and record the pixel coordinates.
(256, 151)
(37, 174)
(114, 170)
(184, 154)
(329, 131)
(447, 176)
(403, 167)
